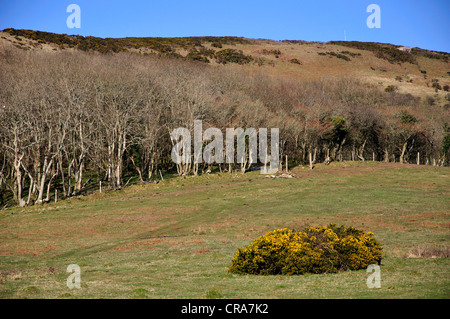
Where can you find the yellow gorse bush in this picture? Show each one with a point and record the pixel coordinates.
(314, 250)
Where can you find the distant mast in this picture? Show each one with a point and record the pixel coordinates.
(345, 36)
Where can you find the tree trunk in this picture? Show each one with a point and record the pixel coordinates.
(19, 190)
(141, 180)
(79, 175)
(403, 152)
(45, 169)
(47, 199)
(30, 190)
(315, 155)
(361, 151)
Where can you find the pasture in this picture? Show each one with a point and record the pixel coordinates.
(176, 238)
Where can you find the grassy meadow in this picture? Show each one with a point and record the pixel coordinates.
(175, 239)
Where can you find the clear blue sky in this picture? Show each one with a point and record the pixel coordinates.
(421, 23)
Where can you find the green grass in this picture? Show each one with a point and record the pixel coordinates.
(176, 239)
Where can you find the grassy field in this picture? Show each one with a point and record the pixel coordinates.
(176, 239)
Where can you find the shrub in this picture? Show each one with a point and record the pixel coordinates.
(171, 55)
(206, 52)
(195, 56)
(391, 88)
(399, 99)
(431, 54)
(314, 250)
(383, 51)
(232, 56)
(406, 118)
(436, 86)
(337, 55)
(216, 45)
(352, 54)
(259, 61)
(429, 100)
(295, 61)
(274, 52)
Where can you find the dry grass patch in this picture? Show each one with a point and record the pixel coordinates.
(429, 252)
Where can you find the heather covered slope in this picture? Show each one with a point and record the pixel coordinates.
(414, 72)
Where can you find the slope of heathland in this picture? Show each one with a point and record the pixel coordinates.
(417, 71)
(80, 111)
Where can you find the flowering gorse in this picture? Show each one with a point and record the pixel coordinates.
(314, 250)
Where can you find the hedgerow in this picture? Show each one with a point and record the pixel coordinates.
(314, 250)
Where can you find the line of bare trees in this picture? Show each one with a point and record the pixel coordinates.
(72, 120)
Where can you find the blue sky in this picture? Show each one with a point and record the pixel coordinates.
(421, 23)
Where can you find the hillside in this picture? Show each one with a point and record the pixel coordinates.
(81, 111)
(419, 72)
(88, 179)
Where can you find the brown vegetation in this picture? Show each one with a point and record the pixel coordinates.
(72, 120)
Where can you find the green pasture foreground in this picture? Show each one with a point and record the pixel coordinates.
(175, 239)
